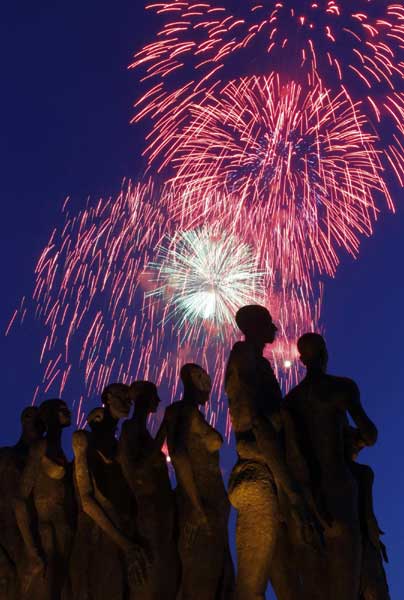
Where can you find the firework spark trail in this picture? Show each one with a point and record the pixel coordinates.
(106, 306)
(298, 168)
(356, 46)
(206, 274)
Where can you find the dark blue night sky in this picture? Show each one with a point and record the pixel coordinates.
(65, 107)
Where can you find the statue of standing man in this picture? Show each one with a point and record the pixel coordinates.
(261, 473)
(315, 415)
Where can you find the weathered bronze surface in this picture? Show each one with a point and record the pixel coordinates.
(111, 525)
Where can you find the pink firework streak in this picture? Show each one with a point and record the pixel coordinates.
(103, 297)
(297, 169)
(356, 46)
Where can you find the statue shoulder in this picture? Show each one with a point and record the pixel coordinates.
(347, 386)
(80, 441)
(292, 397)
(38, 448)
(174, 411)
(241, 356)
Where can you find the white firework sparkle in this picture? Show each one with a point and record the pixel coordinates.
(206, 275)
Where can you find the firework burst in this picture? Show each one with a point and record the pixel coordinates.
(108, 315)
(356, 46)
(298, 169)
(206, 275)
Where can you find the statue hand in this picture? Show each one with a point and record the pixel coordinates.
(308, 527)
(36, 563)
(35, 566)
(138, 563)
(197, 520)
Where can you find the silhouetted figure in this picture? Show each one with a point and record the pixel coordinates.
(107, 560)
(261, 472)
(46, 484)
(373, 584)
(315, 417)
(12, 463)
(203, 506)
(145, 468)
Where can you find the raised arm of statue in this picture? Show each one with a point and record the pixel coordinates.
(367, 428)
(27, 483)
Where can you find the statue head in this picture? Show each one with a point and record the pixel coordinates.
(144, 394)
(95, 418)
(32, 427)
(54, 413)
(197, 383)
(116, 397)
(256, 323)
(313, 351)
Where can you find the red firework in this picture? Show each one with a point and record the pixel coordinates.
(298, 168)
(92, 295)
(354, 45)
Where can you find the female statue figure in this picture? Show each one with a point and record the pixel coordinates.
(46, 482)
(145, 468)
(106, 561)
(12, 463)
(203, 506)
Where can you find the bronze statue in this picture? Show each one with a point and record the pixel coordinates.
(47, 487)
(107, 560)
(145, 468)
(315, 417)
(12, 463)
(203, 506)
(373, 581)
(261, 475)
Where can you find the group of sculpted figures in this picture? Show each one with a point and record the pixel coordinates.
(109, 526)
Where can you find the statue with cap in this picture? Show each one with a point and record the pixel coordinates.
(261, 475)
(315, 416)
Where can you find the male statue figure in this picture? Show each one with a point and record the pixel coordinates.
(261, 472)
(315, 419)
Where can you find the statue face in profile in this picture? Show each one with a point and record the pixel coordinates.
(55, 413)
(198, 381)
(256, 323)
(154, 401)
(119, 401)
(64, 415)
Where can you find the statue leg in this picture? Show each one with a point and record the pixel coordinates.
(257, 528)
(7, 577)
(374, 584)
(344, 543)
(284, 572)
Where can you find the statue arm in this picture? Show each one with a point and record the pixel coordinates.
(177, 425)
(161, 436)
(86, 492)
(270, 449)
(366, 427)
(28, 478)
